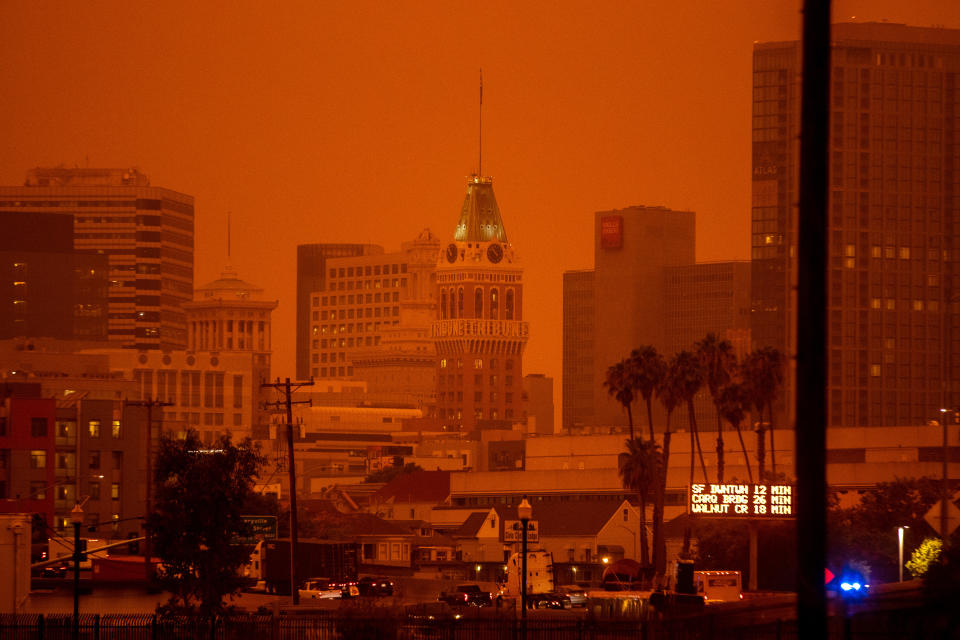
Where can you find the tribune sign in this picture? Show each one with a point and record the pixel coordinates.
(730, 501)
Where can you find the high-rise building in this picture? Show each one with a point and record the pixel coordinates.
(894, 242)
(479, 332)
(632, 247)
(312, 276)
(538, 395)
(371, 304)
(145, 233)
(578, 342)
(46, 288)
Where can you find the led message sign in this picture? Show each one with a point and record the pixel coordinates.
(741, 500)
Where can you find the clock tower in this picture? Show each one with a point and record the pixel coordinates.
(479, 331)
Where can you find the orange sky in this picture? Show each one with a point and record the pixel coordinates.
(357, 122)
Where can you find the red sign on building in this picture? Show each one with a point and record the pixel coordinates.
(611, 232)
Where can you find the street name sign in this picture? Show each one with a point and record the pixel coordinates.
(513, 531)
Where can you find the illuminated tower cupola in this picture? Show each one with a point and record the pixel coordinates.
(479, 332)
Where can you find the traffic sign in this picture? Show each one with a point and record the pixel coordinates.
(259, 528)
(953, 516)
(513, 531)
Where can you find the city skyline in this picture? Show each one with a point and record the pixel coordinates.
(570, 128)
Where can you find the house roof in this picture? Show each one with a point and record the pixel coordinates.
(577, 518)
(417, 486)
(471, 526)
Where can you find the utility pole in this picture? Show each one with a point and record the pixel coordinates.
(287, 388)
(149, 403)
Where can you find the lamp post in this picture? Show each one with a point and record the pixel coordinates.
(900, 544)
(524, 513)
(76, 517)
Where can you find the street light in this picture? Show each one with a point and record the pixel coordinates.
(900, 542)
(524, 513)
(76, 517)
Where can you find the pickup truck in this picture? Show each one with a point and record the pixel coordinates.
(467, 595)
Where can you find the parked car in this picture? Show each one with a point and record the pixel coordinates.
(55, 571)
(375, 586)
(428, 621)
(551, 600)
(320, 589)
(467, 595)
(576, 593)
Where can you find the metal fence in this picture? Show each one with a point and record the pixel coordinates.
(382, 625)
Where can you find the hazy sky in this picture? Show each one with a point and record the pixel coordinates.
(357, 122)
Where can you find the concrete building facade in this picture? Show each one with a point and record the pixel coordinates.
(479, 331)
(578, 345)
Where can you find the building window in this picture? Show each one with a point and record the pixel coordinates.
(38, 490)
(875, 370)
(3, 426)
(94, 490)
(93, 426)
(494, 304)
(509, 305)
(38, 427)
(115, 491)
(38, 459)
(115, 429)
(94, 459)
(478, 363)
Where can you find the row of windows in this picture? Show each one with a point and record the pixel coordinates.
(348, 314)
(359, 298)
(451, 304)
(368, 270)
(477, 380)
(493, 363)
(333, 372)
(477, 396)
(478, 414)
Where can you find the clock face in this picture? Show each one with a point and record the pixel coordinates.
(452, 252)
(495, 253)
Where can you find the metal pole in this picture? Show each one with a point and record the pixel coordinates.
(294, 587)
(900, 555)
(147, 549)
(76, 581)
(811, 410)
(523, 577)
(944, 531)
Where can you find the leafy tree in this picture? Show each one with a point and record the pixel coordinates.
(198, 503)
(924, 556)
(719, 362)
(866, 532)
(648, 368)
(732, 406)
(620, 383)
(762, 372)
(639, 471)
(389, 473)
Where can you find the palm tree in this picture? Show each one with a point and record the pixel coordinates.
(732, 406)
(648, 368)
(763, 377)
(639, 473)
(668, 395)
(620, 384)
(719, 361)
(687, 375)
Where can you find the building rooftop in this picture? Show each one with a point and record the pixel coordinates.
(480, 217)
(418, 486)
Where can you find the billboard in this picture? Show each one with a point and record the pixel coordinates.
(729, 501)
(611, 232)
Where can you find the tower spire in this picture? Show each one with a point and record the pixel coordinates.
(480, 136)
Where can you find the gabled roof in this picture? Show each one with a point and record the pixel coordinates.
(418, 486)
(577, 518)
(471, 526)
(480, 217)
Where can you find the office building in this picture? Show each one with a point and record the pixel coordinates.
(145, 233)
(578, 344)
(312, 276)
(894, 205)
(46, 288)
(538, 396)
(371, 321)
(632, 247)
(479, 332)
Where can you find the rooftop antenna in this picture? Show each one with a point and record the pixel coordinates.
(480, 136)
